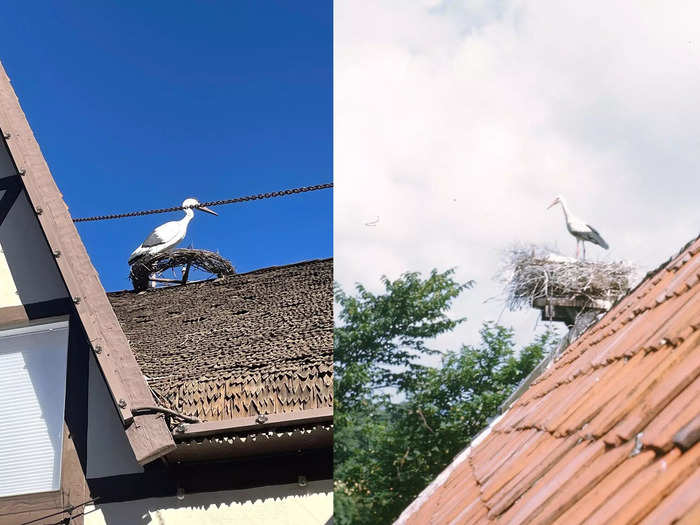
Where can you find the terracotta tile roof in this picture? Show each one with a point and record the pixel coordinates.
(242, 345)
(608, 434)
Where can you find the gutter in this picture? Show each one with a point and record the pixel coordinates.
(253, 423)
(257, 436)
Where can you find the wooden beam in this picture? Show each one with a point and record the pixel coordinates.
(280, 442)
(12, 189)
(33, 313)
(591, 304)
(164, 280)
(11, 316)
(148, 434)
(241, 424)
(25, 507)
(186, 273)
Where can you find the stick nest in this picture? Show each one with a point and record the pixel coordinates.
(203, 260)
(531, 273)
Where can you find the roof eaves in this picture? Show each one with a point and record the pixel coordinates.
(264, 442)
(463, 456)
(148, 434)
(235, 276)
(259, 423)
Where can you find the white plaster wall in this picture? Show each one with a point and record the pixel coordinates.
(8, 290)
(275, 505)
(108, 450)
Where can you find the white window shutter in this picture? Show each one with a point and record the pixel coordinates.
(33, 364)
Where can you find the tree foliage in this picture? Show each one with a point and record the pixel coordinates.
(398, 423)
(381, 335)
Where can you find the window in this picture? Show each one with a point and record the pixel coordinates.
(32, 398)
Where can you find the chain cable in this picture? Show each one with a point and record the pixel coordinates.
(247, 198)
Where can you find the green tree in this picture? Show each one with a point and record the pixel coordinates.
(398, 423)
(382, 335)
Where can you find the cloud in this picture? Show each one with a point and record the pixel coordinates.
(457, 122)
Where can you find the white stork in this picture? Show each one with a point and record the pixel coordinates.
(579, 229)
(166, 236)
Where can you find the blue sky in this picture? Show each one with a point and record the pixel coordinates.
(459, 122)
(140, 105)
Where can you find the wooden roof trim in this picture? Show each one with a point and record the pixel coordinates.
(148, 434)
(249, 445)
(242, 424)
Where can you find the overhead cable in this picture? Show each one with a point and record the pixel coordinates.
(208, 204)
(69, 510)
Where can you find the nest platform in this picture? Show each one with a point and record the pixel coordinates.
(144, 272)
(562, 287)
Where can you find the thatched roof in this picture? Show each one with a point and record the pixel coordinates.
(241, 345)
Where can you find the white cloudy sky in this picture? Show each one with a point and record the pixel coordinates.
(456, 124)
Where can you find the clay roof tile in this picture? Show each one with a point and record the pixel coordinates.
(609, 433)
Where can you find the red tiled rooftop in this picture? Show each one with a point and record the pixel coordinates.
(608, 434)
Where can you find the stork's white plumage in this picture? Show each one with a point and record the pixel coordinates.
(167, 236)
(579, 229)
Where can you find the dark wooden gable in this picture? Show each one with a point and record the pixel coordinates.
(27, 177)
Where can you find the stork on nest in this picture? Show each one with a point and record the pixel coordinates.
(581, 231)
(144, 271)
(535, 276)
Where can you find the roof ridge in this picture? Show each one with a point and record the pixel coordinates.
(651, 273)
(251, 272)
(559, 353)
(647, 277)
(290, 265)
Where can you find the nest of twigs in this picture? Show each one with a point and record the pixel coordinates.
(530, 273)
(187, 258)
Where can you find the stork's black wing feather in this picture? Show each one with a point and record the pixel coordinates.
(596, 238)
(153, 240)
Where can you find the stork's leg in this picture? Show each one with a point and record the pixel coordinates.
(577, 248)
(584, 249)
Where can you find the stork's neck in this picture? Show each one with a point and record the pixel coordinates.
(565, 208)
(188, 215)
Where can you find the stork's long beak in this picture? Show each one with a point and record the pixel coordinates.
(556, 201)
(204, 208)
